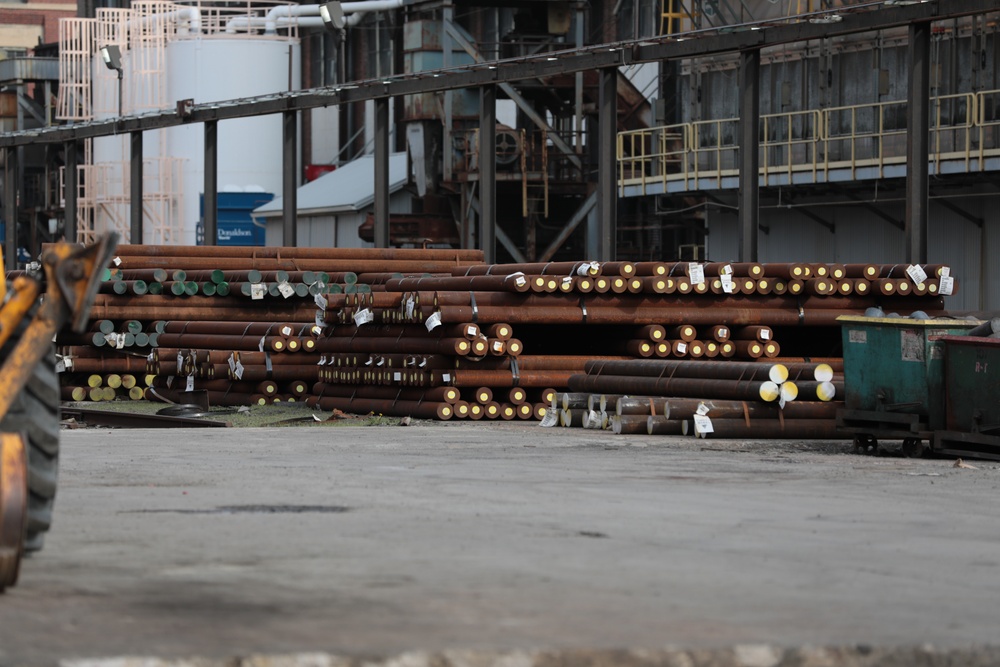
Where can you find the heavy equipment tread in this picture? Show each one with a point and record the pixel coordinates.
(35, 413)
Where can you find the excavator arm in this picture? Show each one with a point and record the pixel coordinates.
(27, 327)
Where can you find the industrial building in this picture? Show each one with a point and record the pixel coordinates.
(832, 128)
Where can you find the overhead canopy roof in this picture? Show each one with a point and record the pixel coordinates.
(347, 189)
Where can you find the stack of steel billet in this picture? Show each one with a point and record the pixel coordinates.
(239, 324)
(743, 399)
(440, 334)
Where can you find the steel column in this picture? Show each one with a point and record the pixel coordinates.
(918, 144)
(382, 172)
(289, 179)
(210, 199)
(488, 172)
(135, 197)
(749, 195)
(70, 192)
(601, 243)
(10, 207)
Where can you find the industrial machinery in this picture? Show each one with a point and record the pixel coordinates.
(33, 310)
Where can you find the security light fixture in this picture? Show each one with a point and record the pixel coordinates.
(112, 56)
(333, 15)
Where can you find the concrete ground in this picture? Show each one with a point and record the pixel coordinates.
(502, 538)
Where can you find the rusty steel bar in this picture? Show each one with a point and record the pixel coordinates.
(819, 391)
(517, 282)
(500, 378)
(635, 405)
(434, 394)
(666, 368)
(658, 425)
(539, 268)
(685, 408)
(629, 424)
(412, 345)
(822, 429)
(284, 373)
(255, 252)
(389, 407)
(675, 386)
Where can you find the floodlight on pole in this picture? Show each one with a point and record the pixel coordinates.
(112, 56)
(332, 14)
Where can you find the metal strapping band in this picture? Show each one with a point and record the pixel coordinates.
(515, 371)
(583, 307)
(802, 314)
(475, 308)
(746, 413)
(267, 362)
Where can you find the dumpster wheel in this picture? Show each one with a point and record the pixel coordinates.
(865, 444)
(913, 448)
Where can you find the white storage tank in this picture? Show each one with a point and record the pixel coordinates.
(249, 150)
(170, 61)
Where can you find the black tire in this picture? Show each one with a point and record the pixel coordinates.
(35, 412)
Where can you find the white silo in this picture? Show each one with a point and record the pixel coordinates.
(170, 52)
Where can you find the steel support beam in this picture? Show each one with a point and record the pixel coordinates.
(567, 231)
(289, 180)
(488, 172)
(749, 194)
(10, 208)
(862, 19)
(210, 198)
(918, 144)
(601, 241)
(382, 172)
(69, 195)
(135, 188)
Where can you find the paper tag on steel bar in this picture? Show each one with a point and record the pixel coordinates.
(117, 261)
(702, 424)
(549, 419)
(286, 289)
(189, 385)
(727, 283)
(946, 286)
(238, 371)
(702, 410)
(696, 272)
(257, 291)
(321, 301)
(726, 270)
(434, 321)
(232, 362)
(363, 316)
(320, 318)
(916, 273)
(410, 305)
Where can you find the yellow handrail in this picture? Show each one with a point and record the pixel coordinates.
(964, 126)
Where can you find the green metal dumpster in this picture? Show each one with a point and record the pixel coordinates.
(894, 378)
(972, 397)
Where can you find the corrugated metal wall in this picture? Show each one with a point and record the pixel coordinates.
(863, 236)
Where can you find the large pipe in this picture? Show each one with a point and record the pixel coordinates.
(284, 16)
